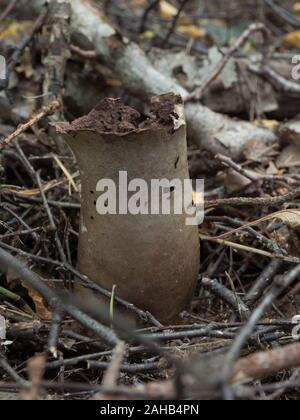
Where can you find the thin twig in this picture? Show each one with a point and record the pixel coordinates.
(264, 364)
(198, 93)
(262, 283)
(10, 371)
(151, 7)
(27, 40)
(48, 110)
(276, 80)
(283, 13)
(250, 175)
(58, 204)
(145, 316)
(92, 388)
(248, 249)
(134, 368)
(10, 7)
(51, 219)
(111, 375)
(54, 332)
(174, 21)
(260, 201)
(227, 296)
(86, 54)
(236, 223)
(246, 332)
(20, 220)
(25, 161)
(226, 160)
(19, 233)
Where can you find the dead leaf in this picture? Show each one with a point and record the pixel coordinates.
(235, 182)
(296, 8)
(272, 169)
(66, 172)
(290, 132)
(147, 35)
(68, 343)
(289, 216)
(292, 40)
(289, 157)
(257, 151)
(33, 192)
(192, 31)
(42, 309)
(167, 10)
(228, 75)
(271, 124)
(15, 29)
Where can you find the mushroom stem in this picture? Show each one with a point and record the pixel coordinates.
(153, 259)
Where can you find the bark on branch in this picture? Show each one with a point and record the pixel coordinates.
(264, 364)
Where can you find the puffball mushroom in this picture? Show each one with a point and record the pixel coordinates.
(153, 259)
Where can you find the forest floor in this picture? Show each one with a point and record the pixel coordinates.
(240, 337)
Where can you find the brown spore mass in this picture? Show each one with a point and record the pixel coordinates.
(111, 116)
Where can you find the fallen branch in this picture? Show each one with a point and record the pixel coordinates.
(227, 161)
(133, 369)
(56, 30)
(276, 80)
(260, 201)
(164, 390)
(209, 130)
(264, 364)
